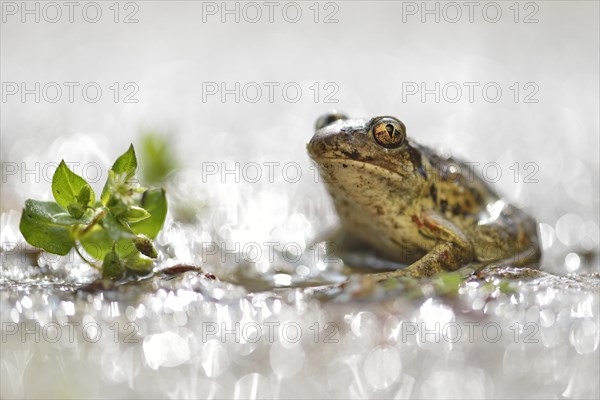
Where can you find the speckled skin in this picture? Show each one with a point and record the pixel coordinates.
(416, 207)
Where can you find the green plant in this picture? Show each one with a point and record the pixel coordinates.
(118, 228)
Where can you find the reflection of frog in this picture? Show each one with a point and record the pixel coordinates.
(414, 206)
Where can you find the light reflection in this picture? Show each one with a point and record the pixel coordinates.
(493, 212)
(282, 279)
(569, 229)
(165, 350)
(572, 262)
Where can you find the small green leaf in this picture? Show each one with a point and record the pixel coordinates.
(135, 214)
(112, 266)
(105, 195)
(126, 248)
(85, 195)
(39, 228)
(118, 209)
(97, 243)
(144, 245)
(115, 229)
(64, 218)
(76, 210)
(126, 165)
(66, 186)
(155, 202)
(138, 262)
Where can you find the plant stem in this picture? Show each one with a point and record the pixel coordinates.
(86, 260)
(97, 218)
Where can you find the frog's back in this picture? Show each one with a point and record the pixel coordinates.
(497, 230)
(455, 189)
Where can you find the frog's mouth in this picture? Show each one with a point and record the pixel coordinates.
(339, 171)
(325, 148)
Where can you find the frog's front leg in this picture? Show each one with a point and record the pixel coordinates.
(451, 251)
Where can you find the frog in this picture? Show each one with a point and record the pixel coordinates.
(425, 212)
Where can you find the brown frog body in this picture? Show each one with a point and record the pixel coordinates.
(413, 206)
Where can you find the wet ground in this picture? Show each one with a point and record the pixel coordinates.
(183, 333)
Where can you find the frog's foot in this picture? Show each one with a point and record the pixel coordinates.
(526, 260)
(452, 250)
(509, 272)
(443, 257)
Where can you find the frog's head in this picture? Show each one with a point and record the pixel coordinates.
(371, 170)
(375, 147)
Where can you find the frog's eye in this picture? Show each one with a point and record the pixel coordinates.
(329, 118)
(388, 132)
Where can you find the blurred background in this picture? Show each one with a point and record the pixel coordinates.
(510, 86)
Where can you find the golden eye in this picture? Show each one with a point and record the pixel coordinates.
(388, 132)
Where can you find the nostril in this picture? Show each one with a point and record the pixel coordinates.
(329, 118)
